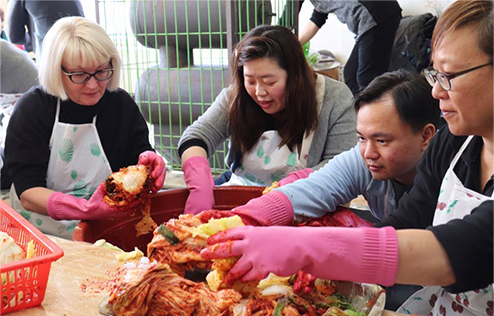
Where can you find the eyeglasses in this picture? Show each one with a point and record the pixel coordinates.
(444, 80)
(81, 77)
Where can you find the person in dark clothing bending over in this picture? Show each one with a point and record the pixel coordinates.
(374, 24)
(37, 17)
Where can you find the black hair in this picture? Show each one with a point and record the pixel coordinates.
(246, 120)
(412, 96)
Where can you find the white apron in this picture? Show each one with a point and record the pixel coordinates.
(266, 163)
(77, 166)
(454, 202)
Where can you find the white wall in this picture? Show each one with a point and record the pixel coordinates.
(336, 37)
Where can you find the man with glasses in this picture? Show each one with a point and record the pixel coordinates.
(69, 134)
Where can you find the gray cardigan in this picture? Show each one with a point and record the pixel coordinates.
(335, 133)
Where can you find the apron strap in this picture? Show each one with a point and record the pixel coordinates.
(460, 152)
(53, 130)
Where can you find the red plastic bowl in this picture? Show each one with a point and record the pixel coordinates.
(164, 206)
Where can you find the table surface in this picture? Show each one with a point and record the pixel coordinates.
(64, 297)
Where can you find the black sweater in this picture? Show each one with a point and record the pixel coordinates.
(121, 128)
(467, 241)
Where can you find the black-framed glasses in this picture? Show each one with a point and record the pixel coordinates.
(444, 79)
(81, 77)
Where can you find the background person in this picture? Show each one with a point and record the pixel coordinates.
(441, 234)
(374, 24)
(66, 136)
(279, 115)
(19, 73)
(2, 30)
(28, 21)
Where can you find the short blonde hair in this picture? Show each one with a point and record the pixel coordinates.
(77, 41)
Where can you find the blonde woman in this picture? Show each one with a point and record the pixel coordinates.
(73, 130)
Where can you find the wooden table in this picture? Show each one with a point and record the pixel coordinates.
(81, 262)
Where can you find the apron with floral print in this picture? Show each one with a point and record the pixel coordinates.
(77, 166)
(454, 202)
(266, 163)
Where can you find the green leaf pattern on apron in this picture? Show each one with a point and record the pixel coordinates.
(260, 152)
(80, 189)
(291, 160)
(95, 150)
(75, 128)
(267, 160)
(451, 206)
(71, 227)
(39, 221)
(250, 177)
(73, 174)
(25, 214)
(91, 191)
(278, 175)
(66, 151)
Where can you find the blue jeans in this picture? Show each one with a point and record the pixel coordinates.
(224, 177)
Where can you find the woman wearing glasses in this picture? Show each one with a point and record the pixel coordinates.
(71, 132)
(441, 235)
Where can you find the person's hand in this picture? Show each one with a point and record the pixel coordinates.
(63, 206)
(366, 254)
(269, 209)
(199, 181)
(156, 166)
(294, 176)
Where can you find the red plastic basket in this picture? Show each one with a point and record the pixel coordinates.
(23, 283)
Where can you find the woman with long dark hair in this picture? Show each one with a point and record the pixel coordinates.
(280, 116)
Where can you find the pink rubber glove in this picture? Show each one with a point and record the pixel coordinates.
(63, 206)
(156, 167)
(294, 176)
(199, 181)
(366, 254)
(267, 210)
